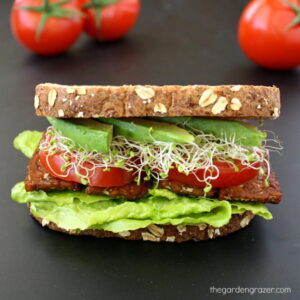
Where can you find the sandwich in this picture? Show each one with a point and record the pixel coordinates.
(153, 163)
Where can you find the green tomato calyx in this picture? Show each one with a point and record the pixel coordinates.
(48, 10)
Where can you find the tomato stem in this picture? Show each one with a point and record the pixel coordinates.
(98, 18)
(97, 5)
(46, 5)
(296, 9)
(47, 10)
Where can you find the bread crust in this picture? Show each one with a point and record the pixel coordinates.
(166, 233)
(224, 101)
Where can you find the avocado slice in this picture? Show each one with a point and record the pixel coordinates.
(245, 134)
(86, 133)
(148, 131)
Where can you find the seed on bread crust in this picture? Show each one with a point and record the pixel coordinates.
(36, 101)
(144, 92)
(71, 90)
(156, 230)
(208, 97)
(217, 231)
(81, 91)
(245, 221)
(219, 106)
(276, 112)
(236, 88)
(45, 222)
(52, 97)
(235, 104)
(210, 233)
(150, 237)
(124, 233)
(61, 113)
(160, 108)
(211, 100)
(170, 239)
(181, 228)
(80, 115)
(202, 226)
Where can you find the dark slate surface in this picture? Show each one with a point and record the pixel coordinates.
(175, 42)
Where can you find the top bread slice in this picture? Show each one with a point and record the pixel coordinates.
(224, 101)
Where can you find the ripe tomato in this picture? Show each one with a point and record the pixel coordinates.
(62, 27)
(228, 176)
(108, 20)
(100, 178)
(267, 35)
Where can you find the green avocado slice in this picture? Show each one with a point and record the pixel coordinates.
(86, 133)
(243, 133)
(148, 131)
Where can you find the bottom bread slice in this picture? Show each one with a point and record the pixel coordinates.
(165, 233)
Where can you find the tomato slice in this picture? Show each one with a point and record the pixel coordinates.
(228, 175)
(98, 177)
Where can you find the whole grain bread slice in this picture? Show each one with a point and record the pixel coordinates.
(166, 233)
(224, 101)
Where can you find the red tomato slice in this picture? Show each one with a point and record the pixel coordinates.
(228, 176)
(98, 177)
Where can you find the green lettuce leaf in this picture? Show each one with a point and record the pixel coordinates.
(27, 142)
(58, 197)
(257, 208)
(78, 211)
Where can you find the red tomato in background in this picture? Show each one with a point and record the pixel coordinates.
(58, 34)
(228, 176)
(99, 177)
(115, 19)
(265, 36)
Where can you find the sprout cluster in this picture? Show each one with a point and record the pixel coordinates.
(157, 158)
